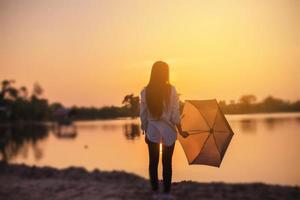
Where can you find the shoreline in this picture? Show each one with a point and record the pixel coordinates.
(19, 181)
(51, 122)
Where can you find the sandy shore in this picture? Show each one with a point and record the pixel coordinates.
(20, 182)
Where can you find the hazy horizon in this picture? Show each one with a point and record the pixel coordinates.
(93, 53)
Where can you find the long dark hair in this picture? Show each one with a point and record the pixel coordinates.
(158, 89)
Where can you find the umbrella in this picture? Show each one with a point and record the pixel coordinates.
(209, 132)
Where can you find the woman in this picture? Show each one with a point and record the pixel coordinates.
(159, 113)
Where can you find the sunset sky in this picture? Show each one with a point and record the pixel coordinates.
(93, 52)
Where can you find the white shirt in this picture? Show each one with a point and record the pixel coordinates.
(163, 129)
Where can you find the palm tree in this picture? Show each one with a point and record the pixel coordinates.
(24, 92)
(37, 90)
(133, 104)
(247, 99)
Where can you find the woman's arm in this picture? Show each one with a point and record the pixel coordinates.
(143, 112)
(182, 133)
(175, 115)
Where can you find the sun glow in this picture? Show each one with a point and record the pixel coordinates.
(160, 148)
(215, 49)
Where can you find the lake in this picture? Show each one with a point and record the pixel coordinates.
(265, 148)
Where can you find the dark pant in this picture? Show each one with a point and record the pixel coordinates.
(167, 153)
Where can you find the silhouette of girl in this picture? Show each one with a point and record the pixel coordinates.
(159, 113)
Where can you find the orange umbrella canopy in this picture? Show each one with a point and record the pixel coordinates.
(209, 132)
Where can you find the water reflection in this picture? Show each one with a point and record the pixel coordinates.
(249, 125)
(96, 144)
(273, 123)
(19, 139)
(65, 131)
(131, 131)
(110, 127)
(297, 119)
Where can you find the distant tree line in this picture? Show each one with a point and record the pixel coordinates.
(106, 112)
(19, 104)
(248, 104)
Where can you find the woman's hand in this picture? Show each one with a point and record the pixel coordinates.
(184, 134)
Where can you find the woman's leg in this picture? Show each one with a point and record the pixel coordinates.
(153, 163)
(167, 153)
